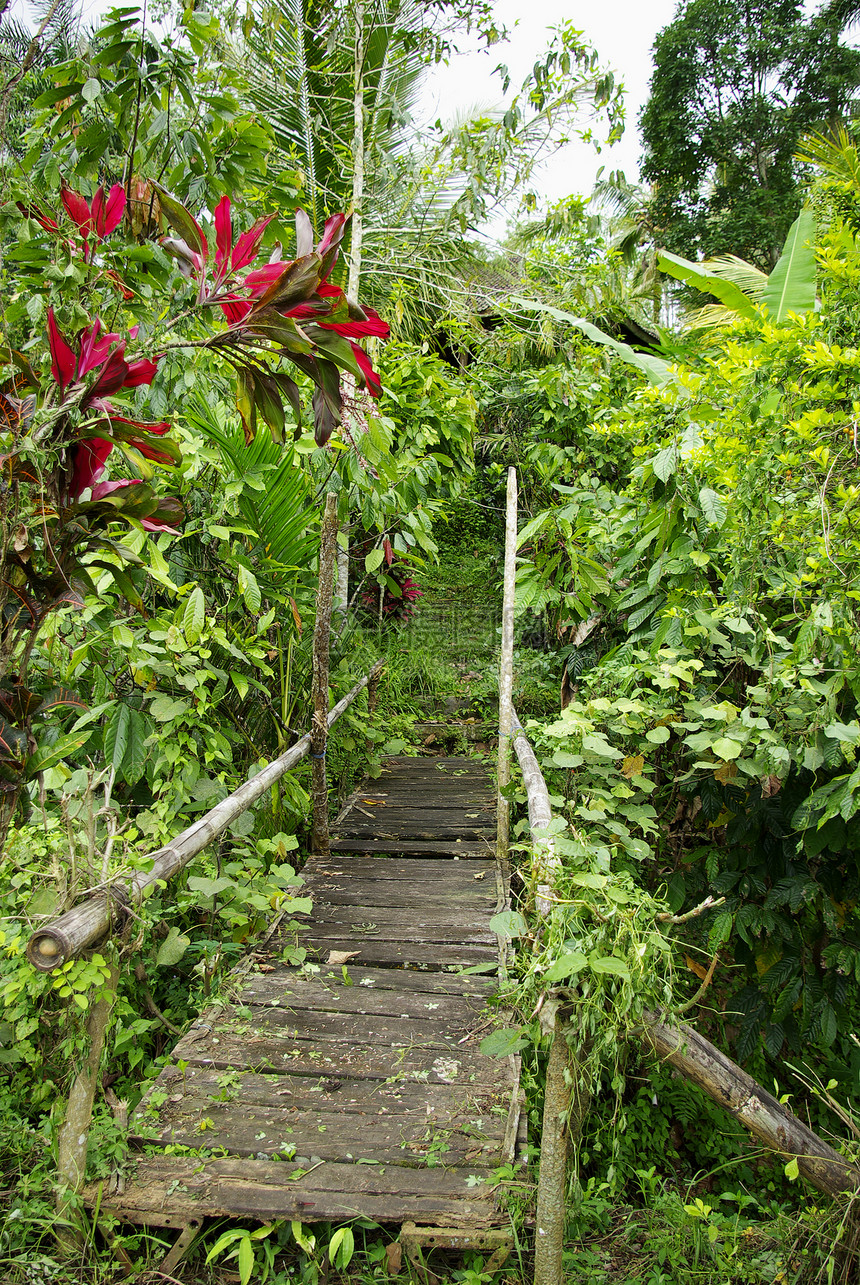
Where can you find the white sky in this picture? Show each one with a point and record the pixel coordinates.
(622, 32)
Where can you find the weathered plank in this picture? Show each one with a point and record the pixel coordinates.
(465, 850)
(292, 992)
(267, 1189)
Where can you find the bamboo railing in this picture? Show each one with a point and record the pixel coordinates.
(86, 923)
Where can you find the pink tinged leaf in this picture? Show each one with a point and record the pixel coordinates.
(93, 351)
(63, 363)
(235, 309)
(371, 379)
(108, 210)
(111, 379)
(248, 244)
(223, 234)
(332, 233)
(260, 279)
(101, 489)
(372, 325)
(159, 429)
(77, 209)
(140, 372)
(387, 549)
(88, 462)
(304, 234)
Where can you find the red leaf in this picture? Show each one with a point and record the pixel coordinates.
(88, 461)
(78, 210)
(371, 379)
(33, 212)
(93, 351)
(371, 325)
(63, 362)
(247, 246)
(111, 379)
(140, 372)
(260, 279)
(332, 233)
(234, 308)
(389, 552)
(108, 211)
(223, 234)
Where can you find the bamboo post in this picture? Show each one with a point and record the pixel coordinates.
(74, 1133)
(506, 669)
(322, 638)
(70, 934)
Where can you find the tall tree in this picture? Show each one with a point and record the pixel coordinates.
(735, 86)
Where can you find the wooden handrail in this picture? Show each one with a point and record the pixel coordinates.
(86, 923)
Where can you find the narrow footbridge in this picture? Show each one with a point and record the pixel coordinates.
(358, 1090)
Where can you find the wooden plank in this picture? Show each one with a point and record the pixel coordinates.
(326, 1095)
(263, 1190)
(277, 1052)
(410, 870)
(426, 828)
(395, 953)
(401, 981)
(390, 894)
(282, 1131)
(463, 919)
(281, 991)
(463, 850)
(324, 1027)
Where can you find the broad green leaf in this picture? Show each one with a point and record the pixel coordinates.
(713, 507)
(135, 751)
(164, 708)
(341, 1248)
(508, 923)
(502, 1043)
(566, 966)
(726, 748)
(210, 887)
(657, 735)
(791, 285)
(655, 370)
(596, 744)
(249, 589)
(373, 561)
(792, 1172)
(665, 462)
(194, 616)
(48, 756)
(698, 276)
(172, 948)
(116, 735)
(609, 964)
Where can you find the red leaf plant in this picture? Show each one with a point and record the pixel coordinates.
(97, 435)
(97, 219)
(288, 307)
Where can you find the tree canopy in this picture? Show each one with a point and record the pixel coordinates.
(734, 89)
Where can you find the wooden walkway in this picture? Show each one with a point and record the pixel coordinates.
(359, 1089)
